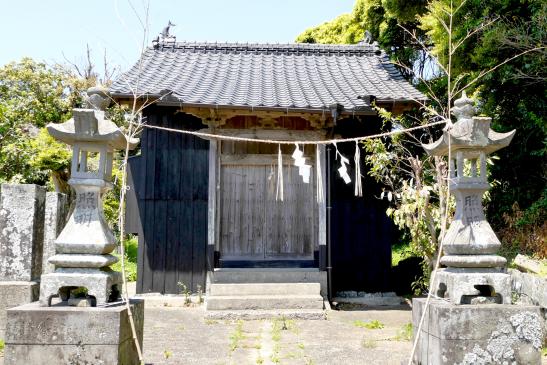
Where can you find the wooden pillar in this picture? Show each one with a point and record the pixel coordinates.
(212, 205)
(322, 211)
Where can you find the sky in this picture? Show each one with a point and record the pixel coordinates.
(54, 31)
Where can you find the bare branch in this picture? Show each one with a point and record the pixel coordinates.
(424, 48)
(75, 66)
(471, 33)
(484, 73)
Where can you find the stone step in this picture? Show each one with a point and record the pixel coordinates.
(271, 275)
(234, 302)
(242, 289)
(315, 314)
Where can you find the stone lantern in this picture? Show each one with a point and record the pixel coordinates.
(83, 248)
(474, 272)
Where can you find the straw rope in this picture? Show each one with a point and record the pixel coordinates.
(307, 142)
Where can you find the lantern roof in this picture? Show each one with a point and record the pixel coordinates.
(91, 125)
(469, 132)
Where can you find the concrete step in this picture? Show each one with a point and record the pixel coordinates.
(266, 314)
(264, 275)
(242, 289)
(260, 302)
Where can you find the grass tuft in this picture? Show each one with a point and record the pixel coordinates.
(404, 333)
(236, 336)
(372, 325)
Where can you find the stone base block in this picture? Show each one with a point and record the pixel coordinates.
(72, 335)
(13, 294)
(477, 334)
(102, 284)
(461, 285)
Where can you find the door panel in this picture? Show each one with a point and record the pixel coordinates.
(242, 211)
(289, 223)
(254, 226)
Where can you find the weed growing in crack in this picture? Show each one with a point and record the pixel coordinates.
(237, 336)
(372, 325)
(404, 333)
(186, 292)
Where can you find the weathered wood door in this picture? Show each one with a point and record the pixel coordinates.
(253, 225)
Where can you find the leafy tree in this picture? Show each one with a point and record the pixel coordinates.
(381, 18)
(494, 50)
(513, 93)
(31, 96)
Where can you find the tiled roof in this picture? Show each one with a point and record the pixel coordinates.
(266, 76)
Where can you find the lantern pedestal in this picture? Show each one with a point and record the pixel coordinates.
(102, 284)
(473, 285)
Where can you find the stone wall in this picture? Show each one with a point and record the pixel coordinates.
(30, 220)
(21, 231)
(477, 334)
(530, 289)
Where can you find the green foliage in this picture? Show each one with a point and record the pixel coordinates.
(381, 19)
(513, 93)
(411, 187)
(400, 252)
(484, 36)
(525, 231)
(111, 200)
(184, 290)
(130, 247)
(80, 292)
(31, 96)
(48, 154)
(2, 344)
(237, 336)
(130, 268)
(340, 30)
(404, 333)
(371, 325)
(167, 353)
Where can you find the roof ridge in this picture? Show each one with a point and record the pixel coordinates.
(316, 48)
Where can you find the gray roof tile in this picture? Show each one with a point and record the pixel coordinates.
(293, 76)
